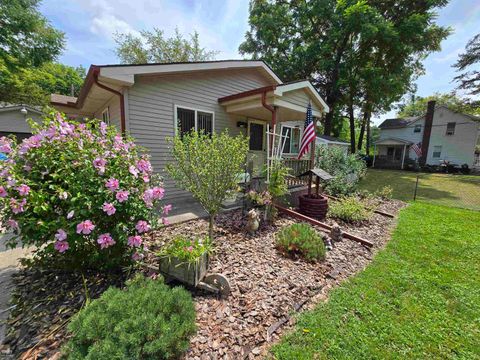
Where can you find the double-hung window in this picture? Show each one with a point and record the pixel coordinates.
(450, 128)
(437, 152)
(291, 136)
(192, 119)
(106, 116)
(417, 128)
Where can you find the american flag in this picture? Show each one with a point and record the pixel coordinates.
(308, 132)
(417, 148)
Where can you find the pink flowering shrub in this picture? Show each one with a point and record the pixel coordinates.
(81, 193)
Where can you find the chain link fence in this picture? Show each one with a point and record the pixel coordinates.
(454, 190)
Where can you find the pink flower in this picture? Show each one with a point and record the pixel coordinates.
(112, 184)
(11, 182)
(190, 248)
(165, 221)
(99, 164)
(5, 148)
(61, 246)
(103, 128)
(70, 214)
(122, 196)
(135, 241)
(133, 170)
(148, 197)
(146, 178)
(23, 190)
(144, 165)
(167, 209)
(27, 168)
(109, 208)
(158, 192)
(61, 235)
(137, 256)
(12, 224)
(17, 207)
(142, 226)
(85, 227)
(3, 192)
(105, 240)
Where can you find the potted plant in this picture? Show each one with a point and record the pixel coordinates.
(185, 259)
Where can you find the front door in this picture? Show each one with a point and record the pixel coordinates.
(257, 146)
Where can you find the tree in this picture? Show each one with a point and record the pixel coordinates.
(34, 85)
(153, 47)
(26, 37)
(321, 40)
(469, 80)
(208, 167)
(417, 106)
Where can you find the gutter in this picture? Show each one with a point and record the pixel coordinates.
(116, 92)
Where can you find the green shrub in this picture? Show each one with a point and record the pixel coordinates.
(347, 169)
(147, 320)
(301, 239)
(385, 192)
(349, 209)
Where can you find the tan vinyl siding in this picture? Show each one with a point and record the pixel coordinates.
(151, 102)
(113, 105)
(299, 98)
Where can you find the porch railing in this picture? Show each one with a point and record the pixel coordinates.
(296, 167)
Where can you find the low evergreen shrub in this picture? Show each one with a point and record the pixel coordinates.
(147, 320)
(350, 209)
(301, 239)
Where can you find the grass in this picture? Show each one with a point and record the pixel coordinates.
(418, 299)
(443, 189)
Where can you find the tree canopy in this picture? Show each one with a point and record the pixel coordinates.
(469, 80)
(416, 106)
(154, 47)
(361, 55)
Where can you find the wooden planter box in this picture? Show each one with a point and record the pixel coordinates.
(187, 273)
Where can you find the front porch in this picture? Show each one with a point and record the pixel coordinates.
(391, 153)
(281, 110)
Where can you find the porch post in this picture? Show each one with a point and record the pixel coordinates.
(403, 156)
(374, 154)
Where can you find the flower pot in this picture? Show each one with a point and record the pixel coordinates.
(313, 206)
(188, 273)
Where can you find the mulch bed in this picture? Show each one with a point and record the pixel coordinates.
(266, 287)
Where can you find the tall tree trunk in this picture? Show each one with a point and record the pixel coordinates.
(367, 150)
(210, 226)
(362, 131)
(351, 116)
(327, 125)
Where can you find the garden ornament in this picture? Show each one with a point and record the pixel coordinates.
(253, 222)
(336, 233)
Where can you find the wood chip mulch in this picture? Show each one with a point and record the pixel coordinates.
(266, 286)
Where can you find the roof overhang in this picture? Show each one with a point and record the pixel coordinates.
(393, 141)
(326, 141)
(18, 107)
(249, 103)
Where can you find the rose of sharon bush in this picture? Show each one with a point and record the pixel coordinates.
(82, 194)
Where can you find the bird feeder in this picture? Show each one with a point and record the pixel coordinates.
(314, 205)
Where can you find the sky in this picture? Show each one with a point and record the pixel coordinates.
(89, 26)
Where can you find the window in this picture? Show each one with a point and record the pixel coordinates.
(106, 116)
(191, 119)
(292, 140)
(450, 128)
(417, 128)
(256, 133)
(437, 152)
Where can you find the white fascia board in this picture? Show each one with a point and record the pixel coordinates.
(302, 85)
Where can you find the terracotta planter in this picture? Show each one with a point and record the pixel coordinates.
(187, 273)
(313, 206)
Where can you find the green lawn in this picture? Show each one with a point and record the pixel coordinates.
(442, 189)
(419, 299)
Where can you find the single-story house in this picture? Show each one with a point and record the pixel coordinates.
(13, 119)
(331, 141)
(430, 139)
(153, 101)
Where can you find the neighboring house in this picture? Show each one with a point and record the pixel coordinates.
(13, 119)
(153, 101)
(441, 134)
(330, 141)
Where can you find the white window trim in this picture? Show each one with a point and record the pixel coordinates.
(454, 128)
(175, 120)
(106, 111)
(440, 152)
(291, 127)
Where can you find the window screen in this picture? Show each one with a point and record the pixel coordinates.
(185, 120)
(256, 136)
(417, 128)
(205, 122)
(437, 152)
(450, 128)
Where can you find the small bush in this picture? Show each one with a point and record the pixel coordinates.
(147, 320)
(301, 239)
(385, 193)
(349, 209)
